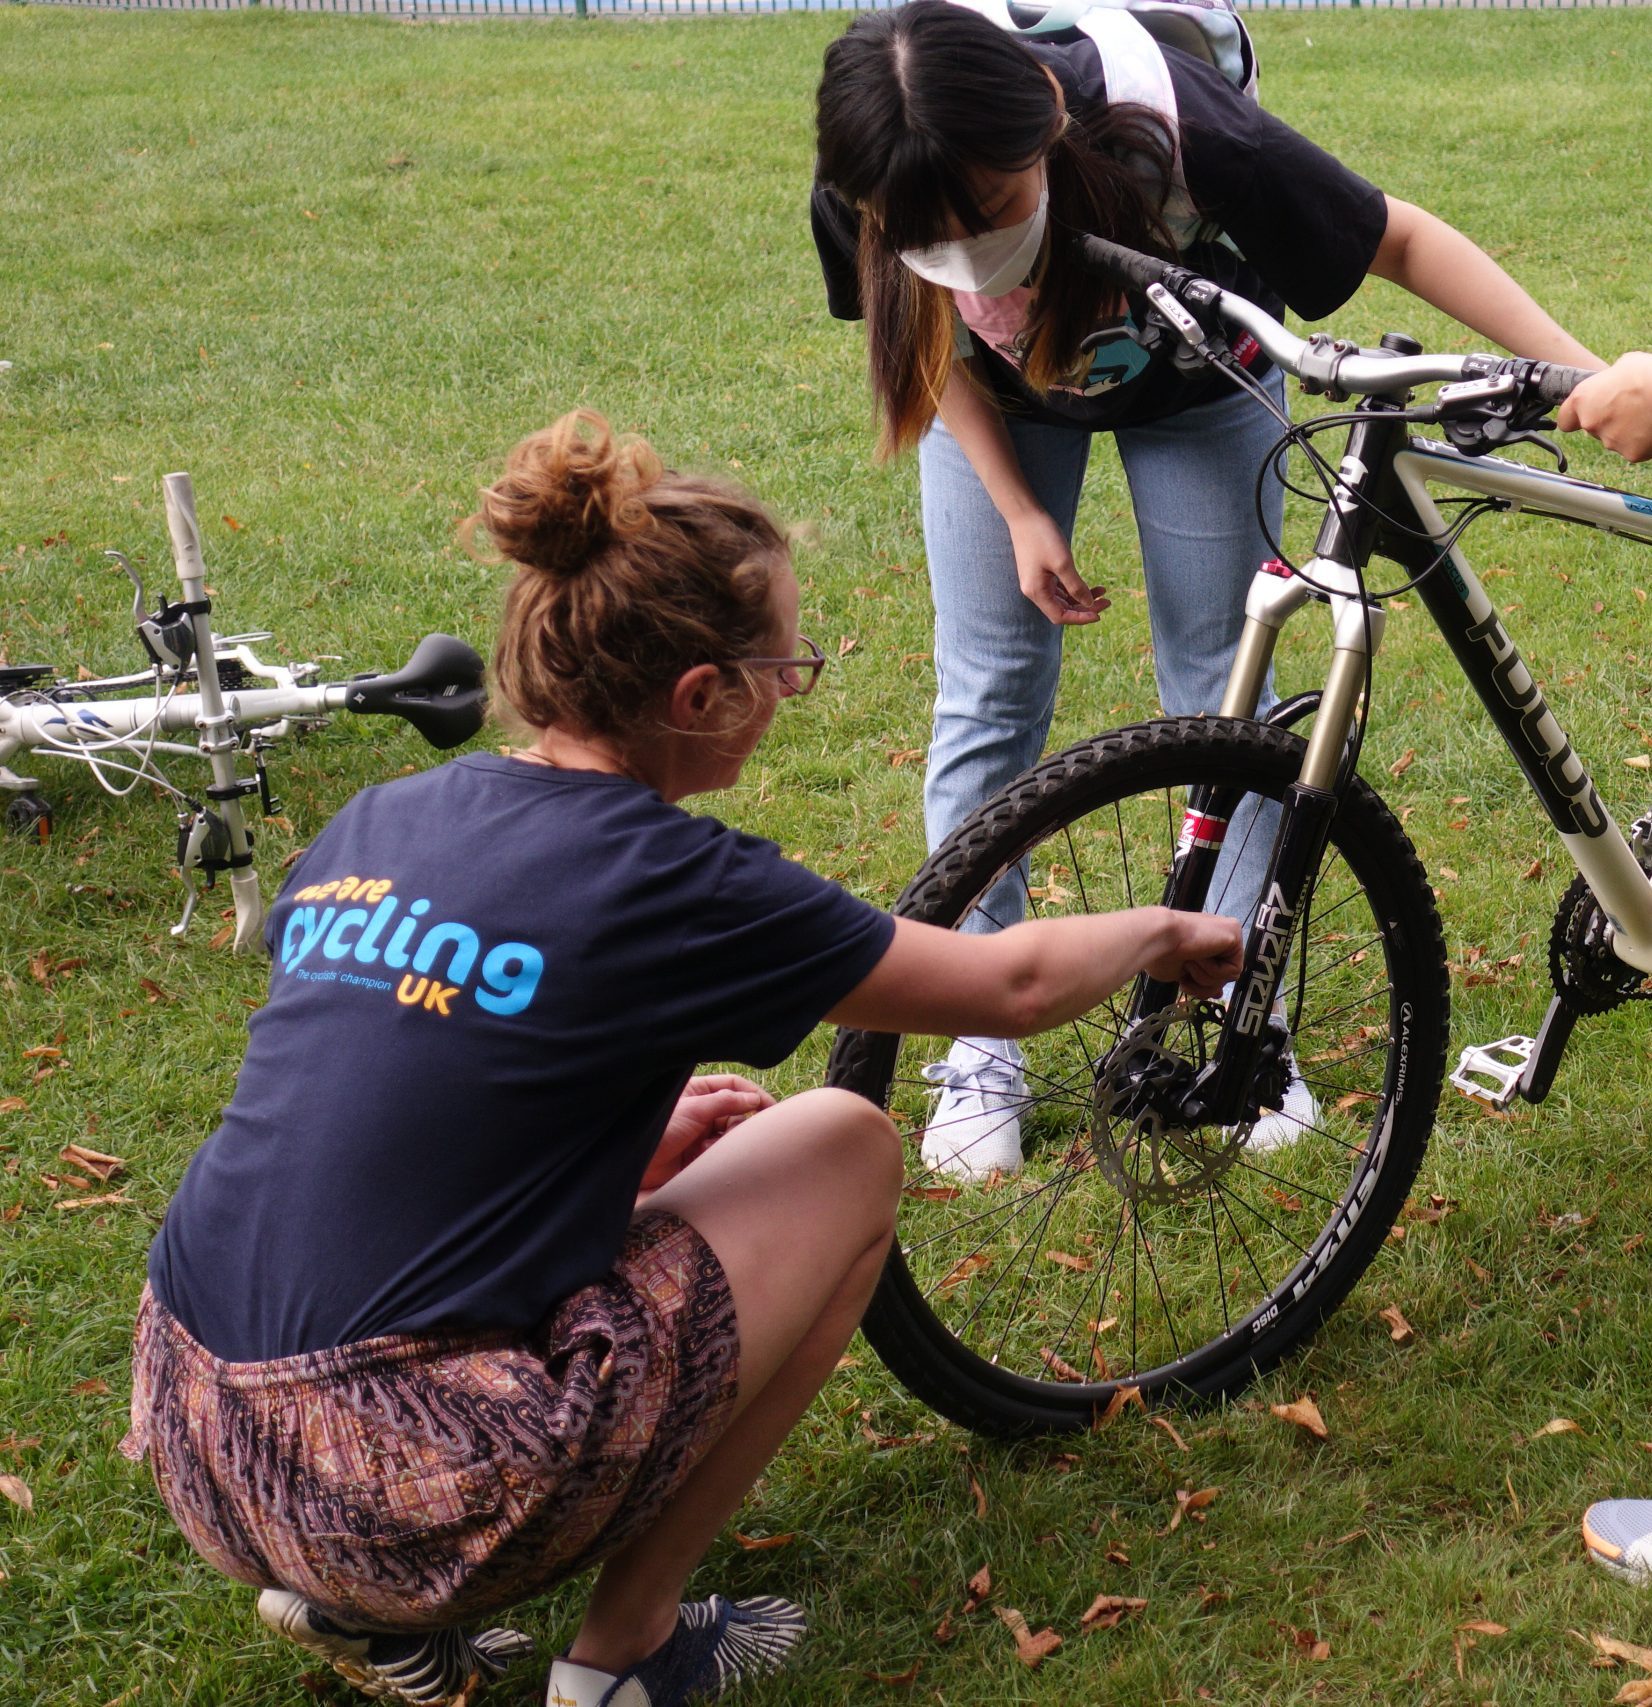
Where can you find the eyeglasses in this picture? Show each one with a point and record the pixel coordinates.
(797, 675)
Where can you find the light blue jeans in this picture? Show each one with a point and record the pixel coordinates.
(998, 657)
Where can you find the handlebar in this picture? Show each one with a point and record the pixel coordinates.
(1322, 363)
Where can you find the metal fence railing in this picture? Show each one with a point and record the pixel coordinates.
(413, 9)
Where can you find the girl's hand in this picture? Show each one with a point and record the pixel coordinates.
(708, 1107)
(1616, 406)
(1048, 576)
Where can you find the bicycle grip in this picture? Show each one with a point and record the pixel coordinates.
(1128, 266)
(1556, 382)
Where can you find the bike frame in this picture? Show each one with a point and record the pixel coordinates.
(99, 722)
(1382, 505)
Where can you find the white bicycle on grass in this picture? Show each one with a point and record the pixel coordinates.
(216, 689)
(1147, 1245)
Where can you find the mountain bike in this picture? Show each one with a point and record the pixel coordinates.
(218, 690)
(1149, 1244)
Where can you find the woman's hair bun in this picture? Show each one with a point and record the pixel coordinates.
(567, 491)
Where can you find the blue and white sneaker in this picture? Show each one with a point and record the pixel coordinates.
(426, 1667)
(1618, 1535)
(974, 1129)
(716, 1643)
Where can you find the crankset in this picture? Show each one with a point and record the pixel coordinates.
(1588, 978)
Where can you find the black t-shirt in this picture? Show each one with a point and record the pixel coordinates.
(491, 983)
(1305, 227)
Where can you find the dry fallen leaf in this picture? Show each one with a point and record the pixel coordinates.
(1191, 1505)
(90, 1387)
(90, 1202)
(1400, 1331)
(970, 1265)
(93, 1161)
(1485, 1627)
(907, 1677)
(16, 1490)
(1634, 1694)
(846, 645)
(1558, 1425)
(1122, 1396)
(1057, 1366)
(1404, 762)
(1170, 1429)
(761, 1543)
(12, 1105)
(1108, 1610)
(1030, 1648)
(1612, 1647)
(980, 1587)
(1305, 1414)
(906, 756)
(980, 1497)
(1081, 1265)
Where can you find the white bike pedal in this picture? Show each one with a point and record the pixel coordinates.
(1490, 1073)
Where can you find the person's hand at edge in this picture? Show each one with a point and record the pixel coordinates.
(1615, 406)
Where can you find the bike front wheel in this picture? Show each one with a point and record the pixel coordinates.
(1023, 1304)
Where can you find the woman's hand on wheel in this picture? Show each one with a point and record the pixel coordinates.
(1205, 953)
(708, 1107)
(1048, 576)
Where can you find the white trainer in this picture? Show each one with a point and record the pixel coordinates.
(974, 1129)
(1618, 1535)
(1298, 1112)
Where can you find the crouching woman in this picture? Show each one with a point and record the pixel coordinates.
(476, 1287)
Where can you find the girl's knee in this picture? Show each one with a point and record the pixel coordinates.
(851, 1132)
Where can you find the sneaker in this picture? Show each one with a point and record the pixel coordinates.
(1618, 1535)
(716, 1643)
(426, 1667)
(1298, 1111)
(974, 1130)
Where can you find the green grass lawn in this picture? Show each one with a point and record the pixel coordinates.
(334, 267)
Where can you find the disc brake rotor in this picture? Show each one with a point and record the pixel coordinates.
(1138, 1143)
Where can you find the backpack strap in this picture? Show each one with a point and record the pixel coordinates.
(1135, 72)
(1210, 30)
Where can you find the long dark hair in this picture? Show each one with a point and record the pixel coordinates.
(912, 104)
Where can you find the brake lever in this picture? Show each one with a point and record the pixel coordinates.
(1479, 415)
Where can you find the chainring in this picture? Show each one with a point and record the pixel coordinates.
(1587, 976)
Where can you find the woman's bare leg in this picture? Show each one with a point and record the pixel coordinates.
(798, 1204)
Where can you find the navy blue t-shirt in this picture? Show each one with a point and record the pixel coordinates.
(491, 983)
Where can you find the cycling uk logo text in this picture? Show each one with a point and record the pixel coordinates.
(436, 959)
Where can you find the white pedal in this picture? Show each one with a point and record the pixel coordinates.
(1490, 1073)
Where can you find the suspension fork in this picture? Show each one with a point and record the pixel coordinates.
(1346, 538)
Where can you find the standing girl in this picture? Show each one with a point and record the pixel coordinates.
(955, 164)
(475, 1287)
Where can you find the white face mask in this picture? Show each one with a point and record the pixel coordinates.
(990, 264)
